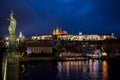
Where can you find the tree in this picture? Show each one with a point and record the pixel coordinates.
(22, 47)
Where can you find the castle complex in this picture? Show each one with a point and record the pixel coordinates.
(63, 35)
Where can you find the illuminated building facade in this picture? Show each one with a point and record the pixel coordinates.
(42, 37)
(39, 47)
(63, 35)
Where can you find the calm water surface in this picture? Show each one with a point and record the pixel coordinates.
(72, 70)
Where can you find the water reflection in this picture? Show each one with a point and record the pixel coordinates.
(104, 70)
(67, 70)
(22, 72)
(85, 70)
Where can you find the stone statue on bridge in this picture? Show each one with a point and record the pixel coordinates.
(12, 33)
(12, 25)
(11, 57)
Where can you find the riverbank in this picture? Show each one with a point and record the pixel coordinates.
(35, 59)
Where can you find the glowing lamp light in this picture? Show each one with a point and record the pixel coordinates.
(60, 55)
(6, 38)
(104, 54)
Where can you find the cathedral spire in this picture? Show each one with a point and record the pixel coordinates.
(57, 28)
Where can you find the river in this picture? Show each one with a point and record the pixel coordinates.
(71, 70)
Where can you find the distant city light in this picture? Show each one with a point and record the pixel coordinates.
(104, 54)
(6, 38)
(7, 43)
(80, 33)
(28, 51)
(17, 39)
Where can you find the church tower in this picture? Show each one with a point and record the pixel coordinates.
(57, 31)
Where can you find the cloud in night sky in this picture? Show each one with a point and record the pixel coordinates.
(36, 17)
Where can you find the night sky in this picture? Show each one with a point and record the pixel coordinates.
(36, 17)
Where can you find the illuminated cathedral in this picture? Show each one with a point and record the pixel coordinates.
(58, 31)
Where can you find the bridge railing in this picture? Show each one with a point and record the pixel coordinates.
(4, 66)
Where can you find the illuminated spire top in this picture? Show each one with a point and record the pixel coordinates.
(57, 29)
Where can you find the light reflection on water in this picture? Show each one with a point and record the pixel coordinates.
(81, 70)
(68, 70)
(104, 70)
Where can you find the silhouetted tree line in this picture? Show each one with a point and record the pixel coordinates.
(111, 45)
